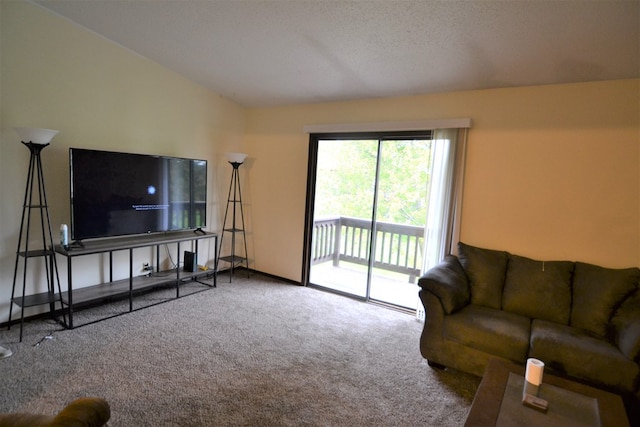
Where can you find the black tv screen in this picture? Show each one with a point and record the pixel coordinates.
(117, 194)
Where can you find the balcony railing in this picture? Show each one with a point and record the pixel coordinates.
(398, 247)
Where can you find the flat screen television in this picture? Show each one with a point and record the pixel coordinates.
(118, 194)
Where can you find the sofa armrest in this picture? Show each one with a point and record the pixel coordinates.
(626, 327)
(449, 283)
(628, 339)
(85, 411)
(82, 412)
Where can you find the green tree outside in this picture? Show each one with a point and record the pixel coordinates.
(346, 177)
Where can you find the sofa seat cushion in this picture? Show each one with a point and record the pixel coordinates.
(538, 289)
(493, 331)
(597, 292)
(580, 354)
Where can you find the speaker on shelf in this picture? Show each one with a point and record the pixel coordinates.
(190, 261)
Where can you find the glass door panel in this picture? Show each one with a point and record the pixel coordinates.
(400, 217)
(344, 196)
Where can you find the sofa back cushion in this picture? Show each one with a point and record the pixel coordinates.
(486, 269)
(597, 293)
(538, 289)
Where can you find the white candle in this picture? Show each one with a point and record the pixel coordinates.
(535, 371)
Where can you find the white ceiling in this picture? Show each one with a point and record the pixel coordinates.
(280, 52)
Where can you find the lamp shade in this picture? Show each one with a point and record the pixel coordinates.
(236, 157)
(35, 135)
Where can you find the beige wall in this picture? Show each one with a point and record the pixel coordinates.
(553, 172)
(99, 95)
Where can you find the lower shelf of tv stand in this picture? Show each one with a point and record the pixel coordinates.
(36, 299)
(114, 290)
(121, 289)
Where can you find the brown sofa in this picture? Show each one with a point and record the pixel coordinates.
(83, 412)
(582, 320)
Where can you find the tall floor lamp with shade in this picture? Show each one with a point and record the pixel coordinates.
(234, 201)
(35, 200)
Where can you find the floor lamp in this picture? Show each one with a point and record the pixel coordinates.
(235, 202)
(35, 199)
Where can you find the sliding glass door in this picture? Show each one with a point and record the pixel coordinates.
(367, 213)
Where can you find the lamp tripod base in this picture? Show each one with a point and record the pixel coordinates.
(5, 352)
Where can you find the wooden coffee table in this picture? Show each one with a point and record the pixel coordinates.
(486, 407)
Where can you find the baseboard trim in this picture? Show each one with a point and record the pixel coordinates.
(262, 273)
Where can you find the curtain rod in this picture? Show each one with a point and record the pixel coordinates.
(389, 126)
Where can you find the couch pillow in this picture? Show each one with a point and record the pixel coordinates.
(486, 270)
(597, 292)
(538, 289)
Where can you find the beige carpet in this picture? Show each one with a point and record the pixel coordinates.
(255, 352)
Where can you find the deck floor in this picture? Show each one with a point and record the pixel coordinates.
(390, 288)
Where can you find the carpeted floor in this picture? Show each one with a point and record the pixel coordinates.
(255, 352)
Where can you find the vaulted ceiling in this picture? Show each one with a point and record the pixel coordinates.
(281, 52)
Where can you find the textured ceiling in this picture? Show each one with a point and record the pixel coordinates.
(280, 52)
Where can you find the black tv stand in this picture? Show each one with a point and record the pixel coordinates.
(199, 231)
(135, 284)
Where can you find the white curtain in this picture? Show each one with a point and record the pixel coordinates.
(442, 232)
